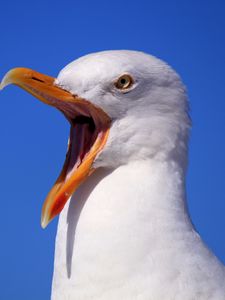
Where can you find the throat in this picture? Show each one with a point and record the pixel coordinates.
(118, 219)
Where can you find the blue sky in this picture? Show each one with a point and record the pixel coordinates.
(45, 36)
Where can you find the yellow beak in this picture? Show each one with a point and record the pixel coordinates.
(88, 134)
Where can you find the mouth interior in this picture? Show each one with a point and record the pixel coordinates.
(83, 134)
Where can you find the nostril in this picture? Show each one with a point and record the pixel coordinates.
(37, 79)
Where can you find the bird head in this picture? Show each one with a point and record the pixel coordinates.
(121, 105)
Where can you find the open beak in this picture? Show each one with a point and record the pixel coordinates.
(88, 134)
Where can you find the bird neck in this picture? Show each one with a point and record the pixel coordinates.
(118, 220)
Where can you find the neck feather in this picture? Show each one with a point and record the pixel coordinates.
(139, 206)
(126, 231)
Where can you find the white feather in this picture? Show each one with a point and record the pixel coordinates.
(126, 233)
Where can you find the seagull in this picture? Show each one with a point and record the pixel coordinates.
(124, 230)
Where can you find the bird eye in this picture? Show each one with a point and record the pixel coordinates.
(124, 82)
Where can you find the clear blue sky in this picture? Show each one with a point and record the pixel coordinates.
(46, 35)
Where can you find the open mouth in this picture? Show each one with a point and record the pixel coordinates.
(88, 134)
(83, 134)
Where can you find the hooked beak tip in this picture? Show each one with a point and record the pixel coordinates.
(4, 82)
(8, 78)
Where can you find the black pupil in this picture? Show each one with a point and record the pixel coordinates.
(123, 81)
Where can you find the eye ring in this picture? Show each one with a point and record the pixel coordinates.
(124, 82)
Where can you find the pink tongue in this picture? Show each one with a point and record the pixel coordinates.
(76, 144)
(80, 139)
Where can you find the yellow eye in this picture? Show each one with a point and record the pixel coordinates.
(124, 82)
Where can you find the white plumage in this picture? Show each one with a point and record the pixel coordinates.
(126, 232)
